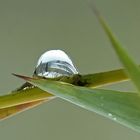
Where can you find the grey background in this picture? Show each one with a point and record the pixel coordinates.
(30, 27)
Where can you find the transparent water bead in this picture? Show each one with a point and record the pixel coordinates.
(112, 116)
(54, 63)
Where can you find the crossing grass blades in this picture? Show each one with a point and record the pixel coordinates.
(82, 90)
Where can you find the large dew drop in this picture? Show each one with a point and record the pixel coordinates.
(54, 63)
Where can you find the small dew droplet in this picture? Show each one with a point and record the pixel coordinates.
(114, 118)
(109, 114)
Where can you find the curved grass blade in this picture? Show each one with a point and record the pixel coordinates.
(19, 101)
(122, 107)
(10, 111)
(23, 97)
(132, 70)
(14, 102)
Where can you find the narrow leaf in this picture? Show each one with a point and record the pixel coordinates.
(23, 97)
(104, 78)
(122, 107)
(10, 111)
(19, 101)
(132, 69)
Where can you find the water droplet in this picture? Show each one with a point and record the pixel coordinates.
(54, 63)
(109, 114)
(25, 88)
(114, 118)
(28, 87)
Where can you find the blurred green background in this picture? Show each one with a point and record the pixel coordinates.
(30, 27)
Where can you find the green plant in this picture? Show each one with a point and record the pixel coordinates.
(122, 107)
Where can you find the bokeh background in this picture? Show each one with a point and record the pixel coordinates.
(30, 27)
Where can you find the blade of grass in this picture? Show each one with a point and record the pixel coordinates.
(10, 111)
(19, 101)
(23, 97)
(131, 68)
(122, 107)
(104, 78)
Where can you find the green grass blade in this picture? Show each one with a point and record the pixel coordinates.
(23, 97)
(19, 101)
(104, 78)
(122, 107)
(131, 68)
(13, 110)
